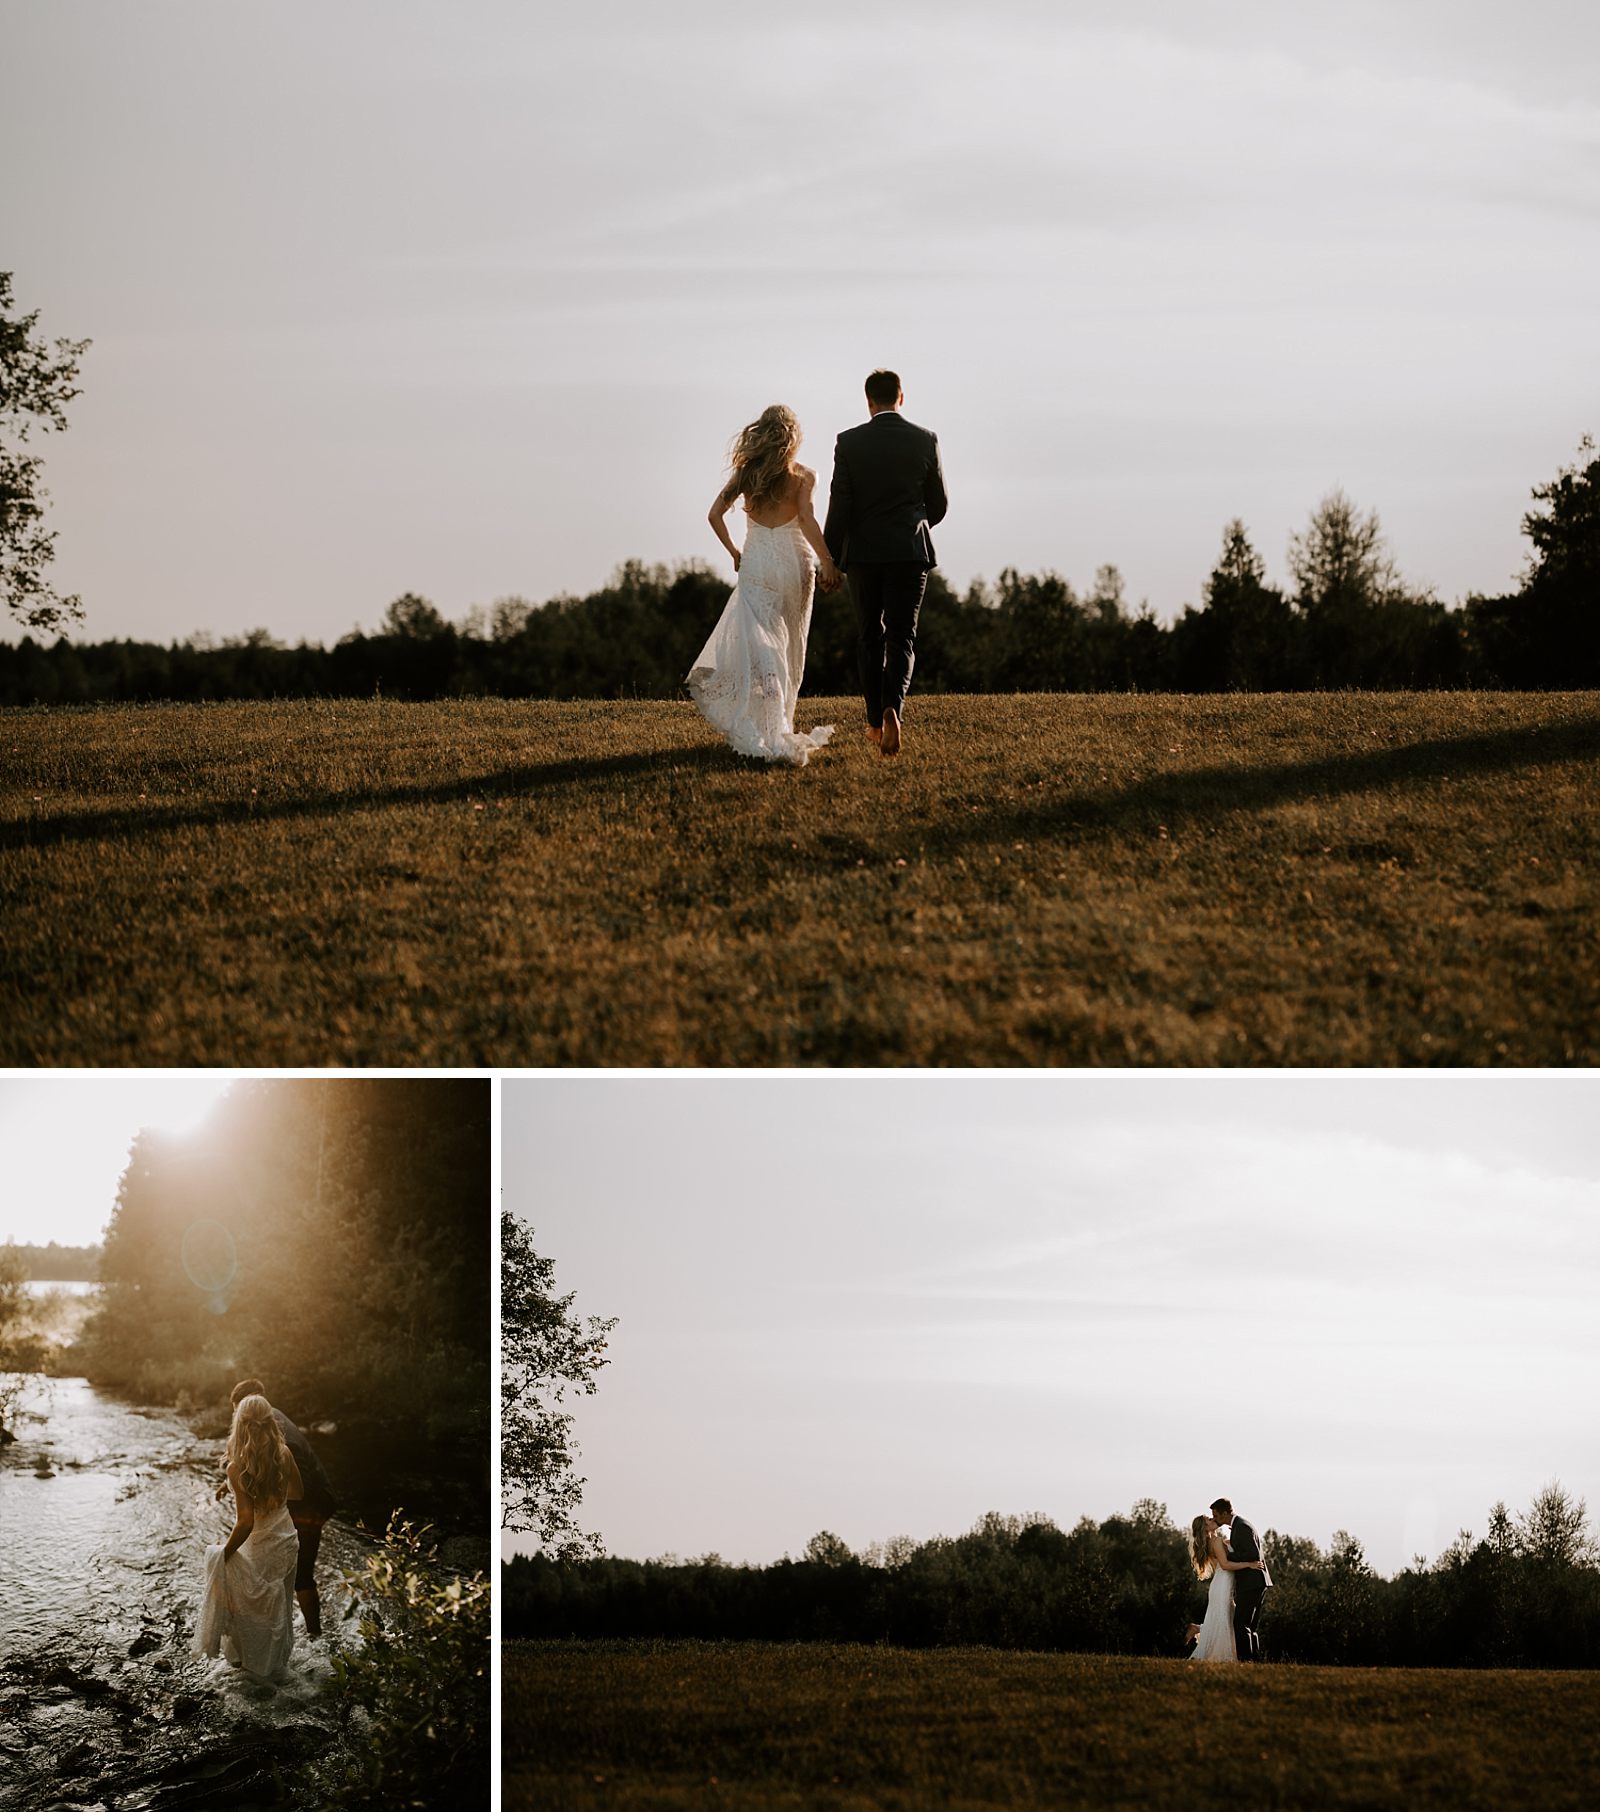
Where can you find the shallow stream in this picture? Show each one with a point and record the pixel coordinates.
(105, 1512)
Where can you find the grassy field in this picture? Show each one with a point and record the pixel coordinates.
(665, 1725)
(1315, 879)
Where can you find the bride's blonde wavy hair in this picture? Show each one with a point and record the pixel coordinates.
(762, 457)
(257, 1447)
(1200, 1547)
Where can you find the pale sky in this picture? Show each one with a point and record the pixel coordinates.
(885, 1305)
(66, 1140)
(470, 299)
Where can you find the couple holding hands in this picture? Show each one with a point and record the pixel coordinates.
(886, 492)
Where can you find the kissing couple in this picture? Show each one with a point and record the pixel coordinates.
(1239, 1580)
(886, 493)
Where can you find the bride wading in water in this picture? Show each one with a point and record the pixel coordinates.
(747, 676)
(1212, 1561)
(248, 1606)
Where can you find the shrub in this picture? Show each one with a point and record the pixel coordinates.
(417, 1688)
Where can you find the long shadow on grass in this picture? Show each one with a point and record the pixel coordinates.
(78, 827)
(1168, 798)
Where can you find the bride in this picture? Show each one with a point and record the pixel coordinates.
(1209, 1552)
(747, 676)
(248, 1606)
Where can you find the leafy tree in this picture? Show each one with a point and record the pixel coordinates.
(1289, 1556)
(1243, 638)
(1341, 562)
(357, 1202)
(508, 617)
(825, 1549)
(1549, 634)
(1361, 625)
(414, 618)
(1554, 1530)
(13, 1306)
(1343, 576)
(36, 384)
(1041, 635)
(1502, 1536)
(545, 1352)
(1566, 537)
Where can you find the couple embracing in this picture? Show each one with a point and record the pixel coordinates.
(886, 493)
(253, 1579)
(1239, 1581)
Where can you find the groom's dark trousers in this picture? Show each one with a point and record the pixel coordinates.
(888, 601)
(1249, 1592)
(887, 490)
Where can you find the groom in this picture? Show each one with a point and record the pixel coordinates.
(1249, 1588)
(887, 491)
(309, 1512)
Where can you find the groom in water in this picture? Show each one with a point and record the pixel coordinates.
(887, 492)
(1249, 1588)
(309, 1512)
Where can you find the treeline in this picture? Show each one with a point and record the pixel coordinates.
(328, 1236)
(1345, 618)
(1526, 1595)
(55, 1263)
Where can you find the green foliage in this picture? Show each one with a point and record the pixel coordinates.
(419, 1681)
(545, 1352)
(825, 1549)
(1246, 638)
(17, 1358)
(327, 1236)
(58, 1263)
(36, 384)
(1123, 1586)
(414, 618)
(1554, 1532)
(1352, 622)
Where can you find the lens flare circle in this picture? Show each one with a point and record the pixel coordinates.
(210, 1258)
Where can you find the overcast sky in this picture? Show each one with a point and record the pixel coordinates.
(66, 1139)
(469, 299)
(888, 1305)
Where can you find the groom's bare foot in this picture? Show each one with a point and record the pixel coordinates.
(891, 733)
(875, 735)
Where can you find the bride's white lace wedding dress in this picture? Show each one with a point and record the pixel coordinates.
(248, 1605)
(1215, 1641)
(747, 676)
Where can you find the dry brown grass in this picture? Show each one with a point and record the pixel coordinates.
(1316, 879)
(841, 1729)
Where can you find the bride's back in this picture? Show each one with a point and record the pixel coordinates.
(775, 512)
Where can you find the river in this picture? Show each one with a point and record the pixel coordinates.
(105, 1511)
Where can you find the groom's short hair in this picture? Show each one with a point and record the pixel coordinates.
(1221, 1509)
(883, 388)
(248, 1387)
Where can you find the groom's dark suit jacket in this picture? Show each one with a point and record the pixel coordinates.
(1242, 1540)
(319, 1500)
(887, 492)
(1244, 1546)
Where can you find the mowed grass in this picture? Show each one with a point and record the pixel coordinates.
(1047, 879)
(665, 1725)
